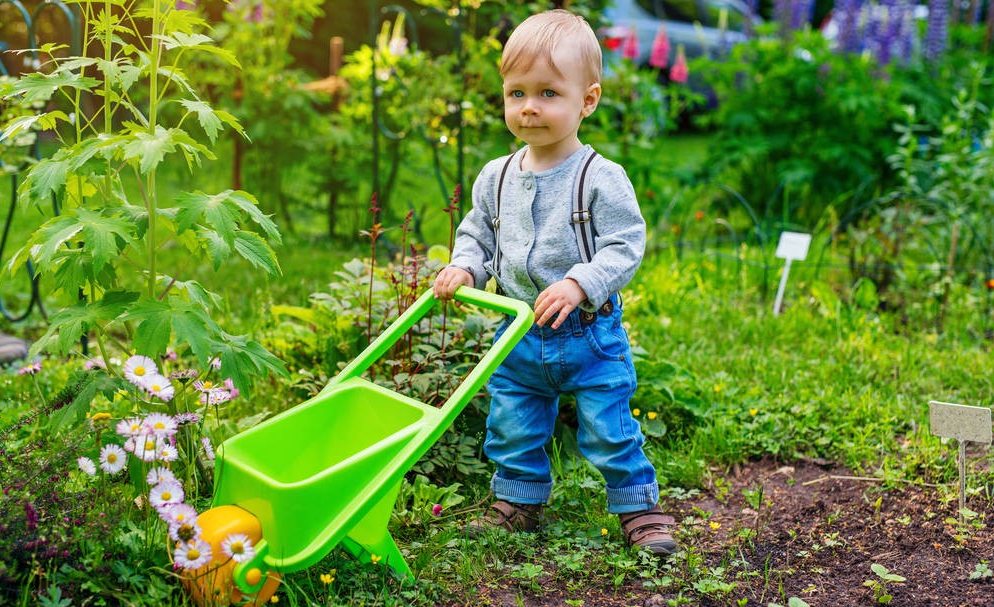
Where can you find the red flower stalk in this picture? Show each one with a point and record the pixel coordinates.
(660, 56)
(630, 48)
(678, 73)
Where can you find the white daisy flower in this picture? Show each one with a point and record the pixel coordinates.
(193, 555)
(137, 368)
(160, 474)
(166, 494)
(167, 453)
(86, 465)
(238, 547)
(129, 427)
(112, 459)
(159, 387)
(160, 425)
(146, 447)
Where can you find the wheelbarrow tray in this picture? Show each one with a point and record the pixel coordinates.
(327, 472)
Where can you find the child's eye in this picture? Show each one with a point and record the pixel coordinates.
(548, 93)
(517, 94)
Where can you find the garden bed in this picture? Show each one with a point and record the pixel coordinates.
(818, 531)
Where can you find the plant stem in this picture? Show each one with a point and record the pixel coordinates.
(155, 57)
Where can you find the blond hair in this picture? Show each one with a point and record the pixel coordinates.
(540, 35)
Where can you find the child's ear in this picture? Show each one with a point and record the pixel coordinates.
(590, 99)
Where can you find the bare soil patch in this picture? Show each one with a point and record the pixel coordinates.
(815, 536)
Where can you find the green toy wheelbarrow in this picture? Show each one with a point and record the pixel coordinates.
(327, 472)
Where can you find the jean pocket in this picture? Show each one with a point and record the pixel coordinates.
(607, 340)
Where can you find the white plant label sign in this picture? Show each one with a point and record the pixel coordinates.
(792, 245)
(965, 424)
(962, 422)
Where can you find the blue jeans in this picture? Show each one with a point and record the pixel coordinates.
(594, 363)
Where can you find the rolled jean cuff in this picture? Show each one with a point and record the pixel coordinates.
(634, 498)
(520, 492)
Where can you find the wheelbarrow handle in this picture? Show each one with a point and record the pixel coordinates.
(523, 318)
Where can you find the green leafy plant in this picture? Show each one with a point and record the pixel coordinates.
(880, 584)
(103, 253)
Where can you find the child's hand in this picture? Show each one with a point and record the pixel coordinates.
(558, 300)
(450, 279)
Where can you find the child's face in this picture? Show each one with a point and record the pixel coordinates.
(544, 109)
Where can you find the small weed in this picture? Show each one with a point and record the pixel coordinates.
(880, 583)
(981, 573)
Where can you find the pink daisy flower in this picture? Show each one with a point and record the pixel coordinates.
(160, 425)
(208, 449)
(130, 427)
(160, 474)
(31, 369)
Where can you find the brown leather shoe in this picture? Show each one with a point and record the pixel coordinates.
(507, 516)
(650, 529)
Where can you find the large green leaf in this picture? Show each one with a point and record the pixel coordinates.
(149, 148)
(253, 248)
(243, 359)
(151, 337)
(38, 86)
(69, 324)
(102, 235)
(212, 211)
(249, 204)
(199, 42)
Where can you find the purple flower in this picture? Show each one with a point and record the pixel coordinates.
(436, 510)
(937, 34)
(186, 5)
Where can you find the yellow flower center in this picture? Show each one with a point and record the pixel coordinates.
(149, 445)
(157, 388)
(193, 554)
(208, 385)
(166, 496)
(136, 427)
(139, 371)
(112, 458)
(651, 415)
(237, 548)
(158, 425)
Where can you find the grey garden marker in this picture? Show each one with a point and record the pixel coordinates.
(964, 423)
(792, 245)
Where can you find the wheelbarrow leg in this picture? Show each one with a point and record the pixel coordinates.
(370, 537)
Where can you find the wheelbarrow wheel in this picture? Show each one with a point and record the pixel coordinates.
(213, 584)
